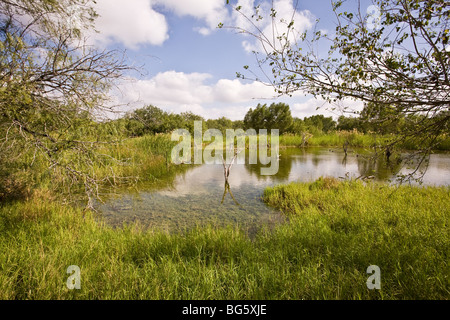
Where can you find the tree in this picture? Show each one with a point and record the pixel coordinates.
(279, 117)
(298, 126)
(349, 123)
(221, 124)
(147, 120)
(188, 121)
(238, 124)
(397, 57)
(321, 123)
(382, 119)
(276, 116)
(256, 119)
(52, 86)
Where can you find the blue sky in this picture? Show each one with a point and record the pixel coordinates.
(188, 63)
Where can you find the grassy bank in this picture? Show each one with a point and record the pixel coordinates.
(336, 230)
(143, 159)
(124, 163)
(358, 140)
(346, 226)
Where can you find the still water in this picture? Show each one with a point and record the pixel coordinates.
(199, 195)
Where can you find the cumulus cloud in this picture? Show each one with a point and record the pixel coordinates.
(285, 13)
(172, 88)
(190, 88)
(131, 23)
(211, 12)
(235, 91)
(315, 106)
(196, 92)
(137, 22)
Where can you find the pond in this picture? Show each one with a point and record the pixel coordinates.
(199, 195)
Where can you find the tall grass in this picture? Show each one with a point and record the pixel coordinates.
(359, 140)
(336, 230)
(122, 163)
(144, 157)
(335, 139)
(346, 226)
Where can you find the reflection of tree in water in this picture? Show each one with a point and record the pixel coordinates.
(284, 168)
(228, 190)
(296, 154)
(315, 154)
(315, 160)
(378, 166)
(344, 160)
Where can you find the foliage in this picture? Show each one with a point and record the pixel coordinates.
(151, 120)
(52, 86)
(276, 116)
(316, 130)
(221, 124)
(316, 124)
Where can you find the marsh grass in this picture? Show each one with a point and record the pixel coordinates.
(335, 231)
(142, 157)
(335, 139)
(124, 163)
(350, 225)
(361, 140)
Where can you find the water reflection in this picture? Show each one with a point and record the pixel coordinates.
(226, 191)
(378, 166)
(284, 169)
(200, 195)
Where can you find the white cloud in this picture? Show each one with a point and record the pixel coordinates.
(131, 23)
(172, 87)
(285, 13)
(212, 12)
(203, 31)
(315, 106)
(235, 91)
(175, 88)
(178, 91)
(137, 22)
(196, 92)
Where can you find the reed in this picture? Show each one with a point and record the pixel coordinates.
(359, 140)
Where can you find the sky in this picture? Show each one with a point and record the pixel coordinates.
(188, 64)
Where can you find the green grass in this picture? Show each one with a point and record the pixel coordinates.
(144, 158)
(335, 139)
(359, 140)
(347, 226)
(336, 230)
(128, 163)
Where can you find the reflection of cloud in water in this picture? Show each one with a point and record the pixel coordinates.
(438, 171)
(329, 166)
(209, 177)
(199, 180)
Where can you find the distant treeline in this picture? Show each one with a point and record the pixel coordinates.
(152, 120)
